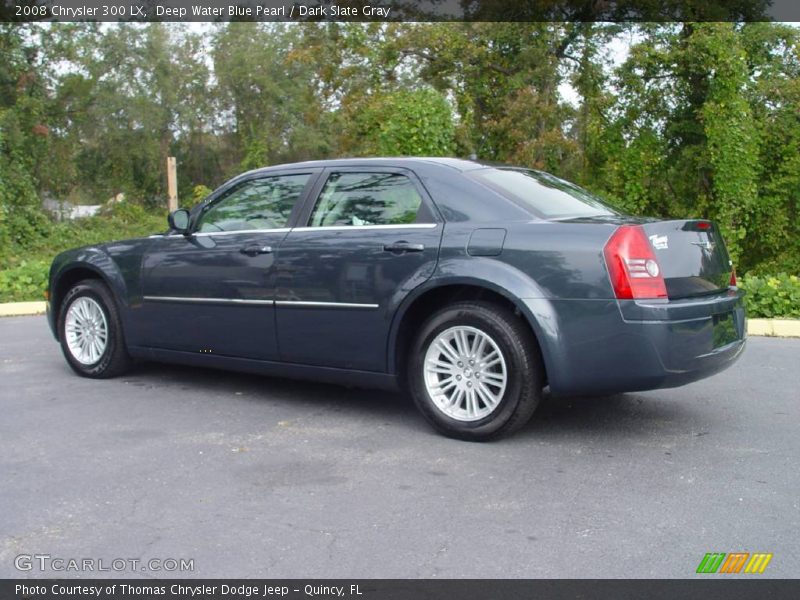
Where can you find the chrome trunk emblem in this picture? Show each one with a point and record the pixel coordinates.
(660, 242)
(707, 245)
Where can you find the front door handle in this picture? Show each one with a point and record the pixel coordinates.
(399, 247)
(255, 249)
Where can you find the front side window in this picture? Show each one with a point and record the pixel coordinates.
(256, 204)
(359, 199)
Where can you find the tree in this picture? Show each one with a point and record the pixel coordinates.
(401, 123)
(23, 139)
(690, 135)
(700, 119)
(275, 114)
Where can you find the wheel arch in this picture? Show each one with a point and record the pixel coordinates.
(68, 276)
(439, 292)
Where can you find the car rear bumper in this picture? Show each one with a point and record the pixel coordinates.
(604, 347)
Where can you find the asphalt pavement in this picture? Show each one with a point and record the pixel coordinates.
(250, 476)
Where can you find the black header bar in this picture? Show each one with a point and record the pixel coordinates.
(711, 588)
(398, 10)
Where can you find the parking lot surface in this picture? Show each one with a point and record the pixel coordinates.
(257, 477)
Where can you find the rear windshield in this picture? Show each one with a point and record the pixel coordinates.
(543, 194)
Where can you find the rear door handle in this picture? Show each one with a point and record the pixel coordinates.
(255, 250)
(399, 247)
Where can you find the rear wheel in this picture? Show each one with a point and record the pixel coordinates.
(475, 371)
(90, 331)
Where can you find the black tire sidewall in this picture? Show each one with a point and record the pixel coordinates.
(501, 327)
(100, 294)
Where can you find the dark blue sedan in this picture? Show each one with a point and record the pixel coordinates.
(471, 286)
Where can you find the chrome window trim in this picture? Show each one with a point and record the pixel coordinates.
(358, 227)
(215, 233)
(301, 229)
(310, 304)
(208, 300)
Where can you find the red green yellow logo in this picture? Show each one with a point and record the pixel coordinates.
(734, 562)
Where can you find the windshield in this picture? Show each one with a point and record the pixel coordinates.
(545, 195)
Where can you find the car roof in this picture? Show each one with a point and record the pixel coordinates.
(458, 164)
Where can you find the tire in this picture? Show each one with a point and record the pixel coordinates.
(91, 302)
(494, 409)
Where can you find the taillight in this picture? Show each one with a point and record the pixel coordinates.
(732, 281)
(632, 265)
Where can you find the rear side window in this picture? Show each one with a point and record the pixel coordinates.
(543, 194)
(358, 199)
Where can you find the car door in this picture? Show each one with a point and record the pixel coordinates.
(371, 235)
(213, 291)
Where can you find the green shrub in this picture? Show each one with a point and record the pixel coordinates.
(419, 123)
(117, 222)
(199, 193)
(124, 213)
(27, 281)
(772, 295)
(24, 267)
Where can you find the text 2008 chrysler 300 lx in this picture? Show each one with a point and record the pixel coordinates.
(472, 286)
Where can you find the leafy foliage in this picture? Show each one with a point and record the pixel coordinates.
(27, 281)
(22, 141)
(696, 120)
(199, 193)
(703, 125)
(772, 296)
(24, 276)
(404, 123)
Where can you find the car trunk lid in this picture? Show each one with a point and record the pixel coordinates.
(692, 256)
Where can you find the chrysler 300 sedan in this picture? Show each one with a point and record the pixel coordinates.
(471, 286)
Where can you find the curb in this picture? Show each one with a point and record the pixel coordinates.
(19, 309)
(765, 327)
(774, 327)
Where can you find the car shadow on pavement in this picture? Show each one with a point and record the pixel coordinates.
(632, 414)
(263, 388)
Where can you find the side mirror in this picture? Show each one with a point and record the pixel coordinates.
(179, 220)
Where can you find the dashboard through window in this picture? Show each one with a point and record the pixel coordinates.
(257, 204)
(358, 199)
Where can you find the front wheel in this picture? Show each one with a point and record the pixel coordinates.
(475, 372)
(90, 331)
